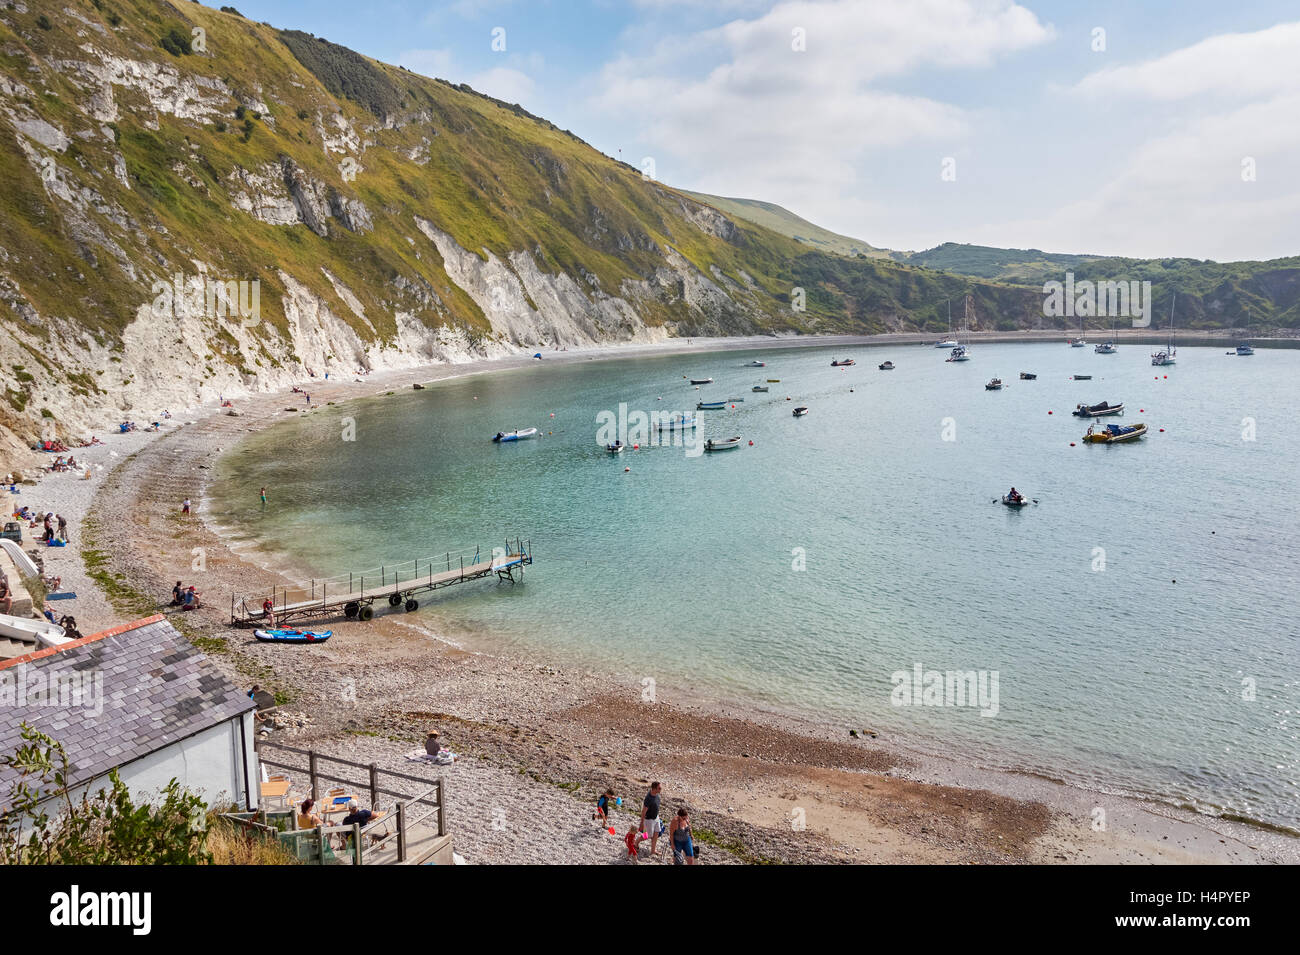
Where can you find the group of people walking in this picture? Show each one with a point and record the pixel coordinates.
(650, 827)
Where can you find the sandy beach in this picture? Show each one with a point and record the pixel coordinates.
(539, 741)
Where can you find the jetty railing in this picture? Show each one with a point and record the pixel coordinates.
(408, 822)
(354, 592)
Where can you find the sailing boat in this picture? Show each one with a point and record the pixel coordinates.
(948, 342)
(961, 352)
(1107, 347)
(1170, 354)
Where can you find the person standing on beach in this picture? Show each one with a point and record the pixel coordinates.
(680, 833)
(264, 497)
(63, 528)
(650, 815)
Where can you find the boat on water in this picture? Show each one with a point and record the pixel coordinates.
(886, 366)
(710, 405)
(800, 411)
(773, 381)
(1018, 501)
(1028, 376)
(1106, 348)
(1244, 349)
(678, 422)
(757, 364)
(1169, 355)
(1081, 377)
(947, 343)
(994, 385)
(32, 629)
(293, 636)
(1076, 342)
(843, 364)
(501, 437)
(701, 381)
(741, 400)
(1098, 411)
(615, 447)
(960, 353)
(758, 388)
(723, 444)
(1114, 434)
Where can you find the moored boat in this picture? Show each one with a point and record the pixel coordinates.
(773, 381)
(1081, 377)
(886, 366)
(1018, 501)
(710, 405)
(1076, 342)
(947, 343)
(758, 388)
(1028, 376)
(757, 364)
(800, 411)
(701, 381)
(678, 422)
(1098, 410)
(1245, 349)
(843, 364)
(1106, 348)
(501, 437)
(960, 353)
(616, 447)
(293, 636)
(994, 385)
(723, 444)
(1115, 434)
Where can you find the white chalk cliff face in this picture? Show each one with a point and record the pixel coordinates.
(78, 118)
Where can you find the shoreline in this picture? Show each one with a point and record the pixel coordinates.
(1021, 817)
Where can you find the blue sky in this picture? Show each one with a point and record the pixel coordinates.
(1178, 138)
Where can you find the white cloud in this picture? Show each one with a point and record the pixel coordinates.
(1233, 65)
(435, 63)
(510, 85)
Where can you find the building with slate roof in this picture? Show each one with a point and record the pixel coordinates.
(140, 699)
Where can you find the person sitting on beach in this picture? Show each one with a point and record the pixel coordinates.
(268, 612)
(306, 818)
(431, 744)
(69, 625)
(6, 598)
(177, 595)
(190, 600)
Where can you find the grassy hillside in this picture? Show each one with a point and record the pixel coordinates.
(784, 222)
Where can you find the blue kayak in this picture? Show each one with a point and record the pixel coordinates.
(293, 636)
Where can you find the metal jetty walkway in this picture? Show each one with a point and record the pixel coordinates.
(353, 594)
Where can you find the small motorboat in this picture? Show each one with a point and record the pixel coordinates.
(774, 381)
(741, 400)
(947, 343)
(710, 405)
(701, 381)
(1114, 434)
(1081, 377)
(994, 385)
(758, 388)
(615, 448)
(725, 444)
(678, 422)
(1076, 342)
(757, 364)
(1028, 376)
(1097, 411)
(886, 366)
(1106, 348)
(1018, 501)
(1244, 349)
(843, 364)
(800, 411)
(501, 437)
(293, 636)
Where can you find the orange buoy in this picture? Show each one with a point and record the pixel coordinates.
(1049, 412)
(1071, 444)
(625, 470)
(636, 447)
(751, 444)
(1162, 430)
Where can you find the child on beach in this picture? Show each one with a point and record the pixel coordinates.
(631, 839)
(603, 806)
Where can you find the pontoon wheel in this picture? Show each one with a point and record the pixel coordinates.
(412, 605)
(350, 610)
(394, 599)
(365, 613)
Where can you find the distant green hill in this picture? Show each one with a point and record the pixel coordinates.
(783, 221)
(1032, 266)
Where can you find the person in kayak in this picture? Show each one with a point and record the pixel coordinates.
(1014, 496)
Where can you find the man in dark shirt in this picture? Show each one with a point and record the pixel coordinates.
(355, 815)
(650, 815)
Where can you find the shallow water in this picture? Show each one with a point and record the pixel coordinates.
(685, 569)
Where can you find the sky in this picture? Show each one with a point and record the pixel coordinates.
(1152, 129)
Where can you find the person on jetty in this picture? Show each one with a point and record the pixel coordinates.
(650, 815)
(268, 612)
(680, 833)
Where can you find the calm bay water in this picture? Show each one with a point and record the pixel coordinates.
(683, 569)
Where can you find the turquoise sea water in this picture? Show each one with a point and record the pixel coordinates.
(685, 568)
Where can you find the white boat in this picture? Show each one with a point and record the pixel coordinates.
(1245, 349)
(503, 436)
(758, 388)
(1170, 354)
(701, 381)
(1105, 348)
(616, 448)
(26, 566)
(678, 422)
(757, 364)
(947, 343)
(959, 354)
(725, 444)
(29, 629)
(1077, 343)
(800, 411)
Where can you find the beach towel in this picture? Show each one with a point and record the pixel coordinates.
(66, 595)
(419, 756)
